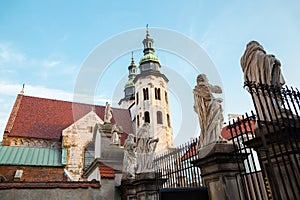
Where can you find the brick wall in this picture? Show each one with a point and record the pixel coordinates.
(33, 174)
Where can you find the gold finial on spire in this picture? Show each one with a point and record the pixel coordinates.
(132, 58)
(147, 29)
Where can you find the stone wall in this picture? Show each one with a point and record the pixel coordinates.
(75, 139)
(63, 191)
(32, 174)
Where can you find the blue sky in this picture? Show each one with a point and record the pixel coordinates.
(44, 43)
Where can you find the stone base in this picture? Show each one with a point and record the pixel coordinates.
(144, 186)
(218, 170)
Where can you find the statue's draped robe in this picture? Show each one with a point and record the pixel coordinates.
(129, 161)
(263, 68)
(209, 112)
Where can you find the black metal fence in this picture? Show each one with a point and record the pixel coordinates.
(176, 169)
(270, 142)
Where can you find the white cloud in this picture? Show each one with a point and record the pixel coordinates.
(51, 63)
(42, 91)
(9, 55)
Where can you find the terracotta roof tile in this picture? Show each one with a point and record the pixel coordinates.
(46, 118)
(106, 172)
(241, 129)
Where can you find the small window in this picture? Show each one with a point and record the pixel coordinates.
(157, 93)
(137, 98)
(166, 97)
(168, 119)
(138, 120)
(146, 94)
(147, 117)
(159, 117)
(19, 173)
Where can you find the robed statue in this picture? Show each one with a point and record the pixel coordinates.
(264, 69)
(129, 161)
(209, 110)
(108, 113)
(146, 146)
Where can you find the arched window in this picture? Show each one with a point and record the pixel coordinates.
(137, 98)
(166, 97)
(138, 120)
(157, 93)
(146, 94)
(159, 117)
(168, 120)
(147, 116)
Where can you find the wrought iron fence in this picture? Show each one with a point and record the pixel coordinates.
(270, 141)
(176, 169)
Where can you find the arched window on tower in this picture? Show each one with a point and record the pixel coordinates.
(168, 120)
(147, 117)
(166, 97)
(137, 98)
(138, 120)
(146, 94)
(159, 117)
(157, 93)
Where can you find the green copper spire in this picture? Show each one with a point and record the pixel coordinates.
(148, 49)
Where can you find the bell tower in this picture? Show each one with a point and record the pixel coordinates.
(152, 98)
(129, 89)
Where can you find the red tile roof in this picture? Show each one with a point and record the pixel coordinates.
(238, 130)
(106, 172)
(191, 152)
(43, 118)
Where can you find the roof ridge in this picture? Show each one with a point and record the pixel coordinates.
(61, 100)
(13, 114)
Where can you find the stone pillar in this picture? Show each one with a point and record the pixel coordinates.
(127, 190)
(143, 187)
(219, 169)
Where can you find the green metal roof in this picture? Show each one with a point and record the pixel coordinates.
(149, 57)
(16, 155)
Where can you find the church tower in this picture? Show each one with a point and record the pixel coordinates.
(152, 99)
(129, 90)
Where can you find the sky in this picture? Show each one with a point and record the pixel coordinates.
(45, 44)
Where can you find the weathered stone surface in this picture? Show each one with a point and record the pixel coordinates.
(75, 138)
(218, 171)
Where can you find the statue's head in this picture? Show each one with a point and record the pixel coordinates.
(202, 78)
(131, 137)
(144, 130)
(255, 44)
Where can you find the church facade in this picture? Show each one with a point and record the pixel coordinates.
(54, 140)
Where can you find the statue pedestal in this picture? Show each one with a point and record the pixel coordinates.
(144, 186)
(218, 170)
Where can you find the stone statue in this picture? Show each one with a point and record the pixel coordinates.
(129, 161)
(108, 113)
(146, 146)
(209, 110)
(260, 67)
(115, 131)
